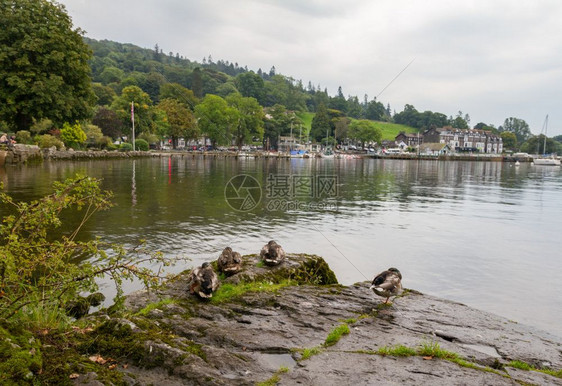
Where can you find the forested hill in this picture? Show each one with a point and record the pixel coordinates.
(117, 65)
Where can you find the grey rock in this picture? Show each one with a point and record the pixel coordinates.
(247, 340)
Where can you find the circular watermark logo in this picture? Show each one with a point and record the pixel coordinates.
(242, 193)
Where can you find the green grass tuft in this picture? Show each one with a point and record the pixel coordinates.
(152, 306)
(527, 367)
(229, 291)
(309, 352)
(275, 378)
(398, 351)
(335, 335)
(520, 365)
(433, 349)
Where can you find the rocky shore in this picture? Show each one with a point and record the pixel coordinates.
(293, 324)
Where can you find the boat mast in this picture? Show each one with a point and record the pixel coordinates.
(545, 127)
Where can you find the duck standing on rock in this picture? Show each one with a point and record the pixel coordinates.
(229, 262)
(387, 283)
(272, 253)
(203, 281)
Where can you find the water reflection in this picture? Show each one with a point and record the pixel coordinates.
(475, 232)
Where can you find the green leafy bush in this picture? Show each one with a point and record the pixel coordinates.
(36, 269)
(42, 126)
(47, 141)
(126, 147)
(24, 137)
(141, 144)
(107, 143)
(72, 135)
(148, 137)
(94, 135)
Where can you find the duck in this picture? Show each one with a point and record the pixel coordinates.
(387, 283)
(272, 253)
(229, 262)
(203, 281)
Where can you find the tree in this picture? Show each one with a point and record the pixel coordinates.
(108, 121)
(215, 119)
(111, 74)
(365, 131)
(509, 140)
(182, 94)
(143, 109)
(460, 122)
(535, 144)
(341, 128)
(487, 127)
(321, 125)
(104, 94)
(197, 83)
(250, 84)
(409, 116)
(94, 136)
(275, 123)
(375, 110)
(248, 122)
(354, 109)
(517, 126)
(181, 122)
(338, 102)
(44, 71)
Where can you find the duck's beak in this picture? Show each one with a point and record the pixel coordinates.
(372, 287)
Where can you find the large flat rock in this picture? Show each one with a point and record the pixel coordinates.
(249, 339)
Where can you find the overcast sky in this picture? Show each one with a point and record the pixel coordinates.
(487, 58)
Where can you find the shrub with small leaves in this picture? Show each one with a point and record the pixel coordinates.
(38, 269)
(141, 144)
(125, 146)
(24, 137)
(47, 141)
(73, 135)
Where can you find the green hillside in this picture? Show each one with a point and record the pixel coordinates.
(391, 130)
(306, 118)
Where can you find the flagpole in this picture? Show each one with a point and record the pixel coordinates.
(133, 120)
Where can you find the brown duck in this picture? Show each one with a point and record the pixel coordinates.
(203, 281)
(387, 283)
(229, 262)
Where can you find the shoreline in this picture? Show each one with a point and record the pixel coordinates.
(28, 154)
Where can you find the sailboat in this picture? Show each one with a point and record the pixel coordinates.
(545, 161)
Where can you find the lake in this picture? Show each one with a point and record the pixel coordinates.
(482, 233)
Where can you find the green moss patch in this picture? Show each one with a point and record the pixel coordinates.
(229, 292)
(157, 305)
(314, 270)
(20, 357)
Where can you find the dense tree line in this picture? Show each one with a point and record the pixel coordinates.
(50, 75)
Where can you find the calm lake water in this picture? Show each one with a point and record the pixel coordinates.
(485, 234)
